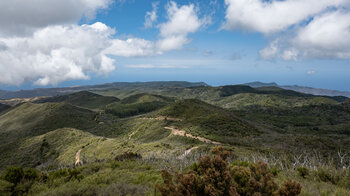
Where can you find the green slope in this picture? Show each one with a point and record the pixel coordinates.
(212, 122)
(82, 99)
(312, 119)
(28, 120)
(137, 104)
(248, 100)
(60, 146)
(240, 96)
(145, 98)
(35, 119)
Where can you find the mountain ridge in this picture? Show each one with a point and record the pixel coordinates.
(40, 92)
(301, 89)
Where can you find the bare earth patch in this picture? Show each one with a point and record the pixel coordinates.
(175, 131)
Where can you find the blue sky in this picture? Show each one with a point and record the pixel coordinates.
(215, 46)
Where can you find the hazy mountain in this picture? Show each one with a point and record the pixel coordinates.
(317, 91)
(302, 89)
(66, 90)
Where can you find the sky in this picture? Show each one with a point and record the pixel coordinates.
(78, 42)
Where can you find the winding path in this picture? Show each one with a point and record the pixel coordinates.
(179, 132)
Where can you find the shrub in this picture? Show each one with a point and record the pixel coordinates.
(128, 156)
(289, 188)
(30, 174)
(13, 175)
(21, 180)
(68, 174)
(254, 180)
(74, 174)
(275, 171)
(122, 189)
(212, 176)
(326, 176)
(58, 173)
(303, 171)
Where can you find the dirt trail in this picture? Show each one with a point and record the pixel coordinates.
(130, 135)
(175, 131)
(187, 152)
(78, 162)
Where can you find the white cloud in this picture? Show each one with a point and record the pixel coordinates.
(132, 47)
(326, 36)
(151, 17)
(20, 17)
(181, 22)
(55, 54)
(273, 16)
(270, 51)
(297, 28)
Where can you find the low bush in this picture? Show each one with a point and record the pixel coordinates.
(123, 189)
(20, 180)
(303, 171)
(212, 175)
(128, 156)
(326, 175)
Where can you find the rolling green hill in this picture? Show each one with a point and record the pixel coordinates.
(30, 119)
(247, 100)
(240, 96)
(82, 99)
(146, 98)
(59, 147)
(200, 118)
(314, 119)
(137, 104)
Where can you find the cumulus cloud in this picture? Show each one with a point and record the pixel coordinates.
(326, 36)
(20, 17)
(55, 54)
(151, 17)
(181, 22)
(297, 28)
(132, 47)
(273, 16)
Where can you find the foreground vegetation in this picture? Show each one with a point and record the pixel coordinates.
(217, 174)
